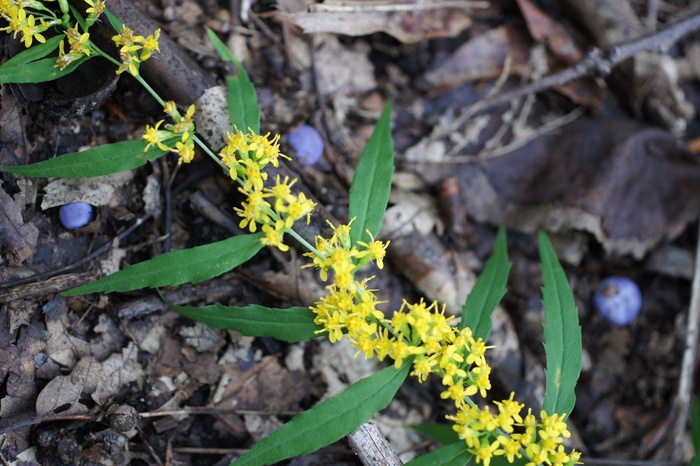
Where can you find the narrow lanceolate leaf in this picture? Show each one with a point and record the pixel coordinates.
(371, 184)
(329, 420)
(98, 161)
(175, 268)
(695, 430)
(33, 53)
(454, 454)
(503, 461)
(562, 333)
(114, 21)
(38, 71)
(292, 325)
(488, 291)
(242, 99)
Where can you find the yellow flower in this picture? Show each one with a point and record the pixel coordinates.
(96, 9)
(30, 31)
(185, 151)
(155, 137)
(273, 236)
(485, 452)
(150, 45)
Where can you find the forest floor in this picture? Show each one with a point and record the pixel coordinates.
(605, 163)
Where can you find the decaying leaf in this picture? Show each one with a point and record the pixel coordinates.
(482, 57)
(543, 28)
(408, 22)
(629, 184)
(17, 239)
(96, 191)
(336, 61)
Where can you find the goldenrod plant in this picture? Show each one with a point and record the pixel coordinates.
(419, 339)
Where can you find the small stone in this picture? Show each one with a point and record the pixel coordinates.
(75, 215)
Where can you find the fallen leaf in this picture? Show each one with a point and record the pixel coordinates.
(407, 22)
(266, 386)
(116, 371)
(17, 368)
(628, 184)
(17, 239)
(543, 28)
(97, 190)
(482, 57)
(409, 212)
(63, 393)
(203, 337)
(337, 60)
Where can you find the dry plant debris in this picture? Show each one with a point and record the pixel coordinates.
(121, 380)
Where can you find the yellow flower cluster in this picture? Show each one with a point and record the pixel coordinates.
(276, 208)
(424, 332)
(182, 128)
(129, 47)
(21, 17)
(31, 18)
(79, 46)
(80, 43)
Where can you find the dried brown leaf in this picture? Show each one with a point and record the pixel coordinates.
(543, 28)
(17, 239)
(482, 57)
(406, 26)
(629, 184)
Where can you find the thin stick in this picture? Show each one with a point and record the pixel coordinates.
(599, 63)
(685, 386)
(371, 447)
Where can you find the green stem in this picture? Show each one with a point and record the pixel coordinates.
(305, 243)
(150, 90)
(65, 9)
(209, 152)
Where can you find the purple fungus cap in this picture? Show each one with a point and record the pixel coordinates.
(75, 215)
(307, 143)
(618, 299)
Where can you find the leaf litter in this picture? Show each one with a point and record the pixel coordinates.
(626, 183)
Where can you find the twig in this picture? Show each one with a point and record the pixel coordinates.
(40, 419)
(682, 405)
(599, 63)
(371, 447)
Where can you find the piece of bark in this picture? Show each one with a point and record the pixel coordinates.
(371, 447)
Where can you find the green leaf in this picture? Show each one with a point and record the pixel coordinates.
(114, 21)
(292, 325)
(695, 431)
(33, 53)
(503, 461)
(37, 71)
(488, 291)
(98, 161)
(562, 333)
(440, 432)
(242, 99)
(329, 420)
(175, 268)
(454, 454)
(371, 184)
